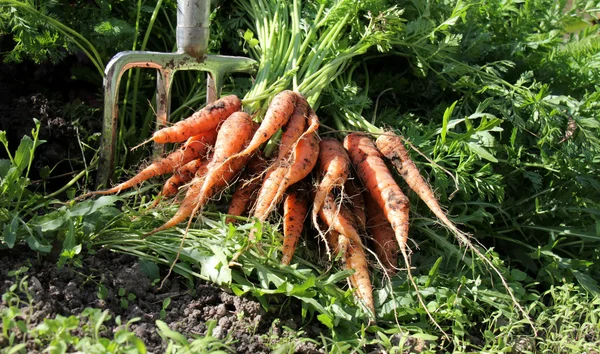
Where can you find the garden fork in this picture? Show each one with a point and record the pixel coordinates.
(192, 37)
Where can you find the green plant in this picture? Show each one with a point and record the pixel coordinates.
(57, 335)
(163, 311)
(178, 343)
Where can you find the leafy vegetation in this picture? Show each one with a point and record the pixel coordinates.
(499, 100)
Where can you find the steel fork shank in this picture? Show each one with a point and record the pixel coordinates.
(166, 64)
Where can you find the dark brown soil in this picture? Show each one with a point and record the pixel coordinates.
(69, 290)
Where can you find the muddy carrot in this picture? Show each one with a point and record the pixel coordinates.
(232, 137)
(247, 186)
(334, 169)
(183, 175)
(340, 222)
(194, 148)
(384, 242)
(354, 194)
(295, 209)
(208, 118)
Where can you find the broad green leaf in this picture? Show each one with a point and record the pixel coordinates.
(4, 167)
(481, 151)
(23, 154)
(139, 344)
(248, 35)
(50, 222)
(16, 348)
(171, 334)
(326, 320)
(35, 244)
(10, 232)
(446, 119)
(150, 269)
(589, 284)
(90, 206)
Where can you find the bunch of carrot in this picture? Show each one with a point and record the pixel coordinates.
(355, 195)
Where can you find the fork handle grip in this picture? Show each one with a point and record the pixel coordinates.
(193, 22)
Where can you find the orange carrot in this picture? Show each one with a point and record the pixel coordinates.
(278, 114)
(281, 177)
(386, 247)
(295, 209)
(341, 223)
(392, 147)
(195, 147)
(355, 258)
(357, 203)
(247, 187)
(334, 168)
(379, 183)
(233, 135)
(338, 217)
(208, 118)
(183, 175)
(294, 127)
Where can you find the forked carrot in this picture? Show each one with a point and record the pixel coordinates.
(278, 114)
(277, 180)
(208, 118)
(195, 147)
(334, 170)
(295, 209)
(386, 247)
(392, 147)
(233, 135)
(294, 128)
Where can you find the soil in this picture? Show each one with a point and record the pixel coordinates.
(69, 290)
(68, 111)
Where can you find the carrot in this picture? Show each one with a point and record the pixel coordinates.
(386, 247)
(194, 147)
(356, 201)
(208, 118)
(294, 128)
(355, 258)
(278, 114)
(334, 168)
(233, 135)
(392, 147)
(338, 217)
(380, 185)
(340, 221)
(183, 175)
(313, 122)
(295, 209)
(245, 191)
(277, 180)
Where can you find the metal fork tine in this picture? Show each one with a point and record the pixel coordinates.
(164, 80)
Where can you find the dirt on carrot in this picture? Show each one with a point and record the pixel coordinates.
(208, 118)
(295, 210)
